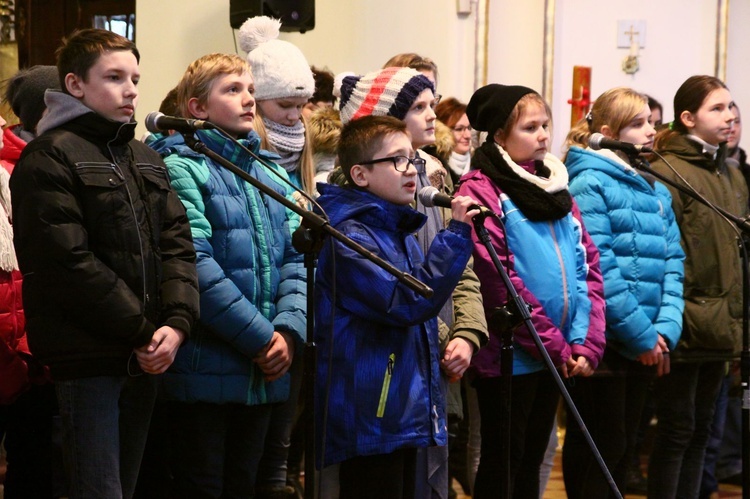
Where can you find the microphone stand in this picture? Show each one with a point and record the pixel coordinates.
(316, 226)
(515, 313)
(743, 225)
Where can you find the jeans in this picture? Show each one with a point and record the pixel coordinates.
(545, 470)
(685, 401)
(215, 448)
(272, 469)
(709, 483)
(533, 406)
(104, 422)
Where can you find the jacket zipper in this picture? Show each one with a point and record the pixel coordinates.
(386, 384)
(138, 230)
(566, 303)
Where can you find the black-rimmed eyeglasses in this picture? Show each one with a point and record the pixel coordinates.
(400, 163)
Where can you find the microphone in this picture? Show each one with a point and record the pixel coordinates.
(599, 141)
(157, 122)
(430, 196)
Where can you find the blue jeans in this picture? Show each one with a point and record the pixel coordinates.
(685, 401)
(215, 448)
(272, 469)
(104, 422)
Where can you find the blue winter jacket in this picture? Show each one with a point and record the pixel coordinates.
(252, 281)
(378, 383)
(634, 227)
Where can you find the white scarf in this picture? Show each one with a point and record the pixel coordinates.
(558, 173)
(460, 163)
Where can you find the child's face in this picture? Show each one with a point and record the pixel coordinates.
(420, 120)
(286, 111)
(639, 131)
(712, 121)
(110, 88)
(529, 138)
(230, 104)
(736, 134)
(382, 178)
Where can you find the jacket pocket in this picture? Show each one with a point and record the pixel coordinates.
(99, 174)
(386, 384)
(157, 187)
(708, 323)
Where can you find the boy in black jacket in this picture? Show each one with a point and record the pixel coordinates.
(110, 287)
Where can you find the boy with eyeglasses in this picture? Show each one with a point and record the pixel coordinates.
(379, 395)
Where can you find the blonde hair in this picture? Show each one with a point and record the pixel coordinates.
(615, 108)
(306, 163)
(532, 98)
(200, 75)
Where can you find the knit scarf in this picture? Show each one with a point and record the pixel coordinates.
(541, 196)
(288, 142)
(459, 163)
(8, 261)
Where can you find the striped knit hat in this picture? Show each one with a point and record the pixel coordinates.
(387, 92)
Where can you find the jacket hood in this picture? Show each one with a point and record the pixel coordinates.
(444, 141)
(581, 160)
(63, 109)
(342, 204)
(324, 128)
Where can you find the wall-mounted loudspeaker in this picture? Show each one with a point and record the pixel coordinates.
(295, 15)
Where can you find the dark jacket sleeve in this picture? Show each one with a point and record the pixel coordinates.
(180, 301)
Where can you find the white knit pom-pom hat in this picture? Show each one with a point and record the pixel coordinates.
(279, 68)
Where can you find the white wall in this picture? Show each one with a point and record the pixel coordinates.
(586, 35)
(360, 35)
(351, 35)
(738, 69)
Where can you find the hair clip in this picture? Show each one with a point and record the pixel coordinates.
(671, 125)
(589, 117)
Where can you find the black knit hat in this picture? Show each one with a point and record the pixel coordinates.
(25, 93)
(490, 106)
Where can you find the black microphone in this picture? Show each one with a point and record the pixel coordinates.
(430, 196)
(599, 141)
(157, 122)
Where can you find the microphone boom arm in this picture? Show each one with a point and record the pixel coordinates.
(311, 219)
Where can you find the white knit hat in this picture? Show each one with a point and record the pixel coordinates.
(279, 68)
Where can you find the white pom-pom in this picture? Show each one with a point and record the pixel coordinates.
(338, 80)
(258, 30)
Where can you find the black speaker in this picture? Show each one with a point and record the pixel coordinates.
(295, 15)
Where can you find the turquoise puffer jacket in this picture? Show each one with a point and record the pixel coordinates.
(252, 280)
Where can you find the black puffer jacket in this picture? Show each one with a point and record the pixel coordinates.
(103, 269)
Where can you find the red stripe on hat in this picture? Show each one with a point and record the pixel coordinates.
(379, 85)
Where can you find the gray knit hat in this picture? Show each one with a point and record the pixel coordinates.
(279, 68)
(25, 93)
